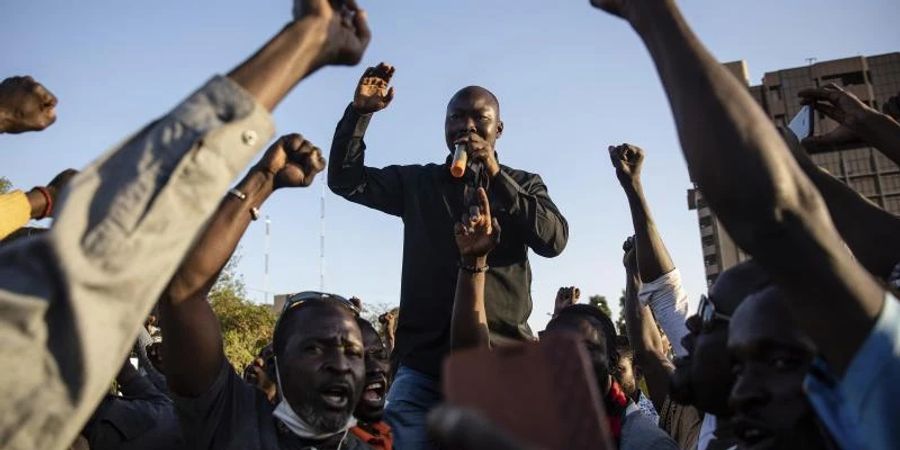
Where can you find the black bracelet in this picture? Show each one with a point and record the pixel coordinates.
(474, 269)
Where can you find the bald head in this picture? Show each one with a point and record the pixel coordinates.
(475, 93)
(764, 317)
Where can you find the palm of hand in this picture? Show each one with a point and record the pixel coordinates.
(372, 95)
(478, 240)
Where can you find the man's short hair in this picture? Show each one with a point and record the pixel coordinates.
(601, 322)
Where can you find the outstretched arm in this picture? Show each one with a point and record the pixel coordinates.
(476, 235)
(348, 175)
(772, 210)
(659, 284)
(643, 335)
(192, 338)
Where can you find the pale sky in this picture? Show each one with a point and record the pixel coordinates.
(571, 81)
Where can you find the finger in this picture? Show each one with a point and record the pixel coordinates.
(292, 142)
(389, 96)
(495, 232)
(485, 204)
(833, 112)
(818, 94)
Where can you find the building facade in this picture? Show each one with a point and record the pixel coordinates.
(874, 80)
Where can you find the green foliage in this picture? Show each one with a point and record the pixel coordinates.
(246, 326)
(620, 323)
(599, 301)
(5, 185)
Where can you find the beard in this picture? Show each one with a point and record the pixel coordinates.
(323, 421)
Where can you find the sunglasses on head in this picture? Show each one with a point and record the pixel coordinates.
(708, 314)
(295, 300)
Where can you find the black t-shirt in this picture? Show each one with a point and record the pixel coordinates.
(233, 415)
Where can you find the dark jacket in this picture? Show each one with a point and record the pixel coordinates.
(430, 201)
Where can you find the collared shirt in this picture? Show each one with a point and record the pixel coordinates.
(74, 298)
(379, 438)
(143, 418)
(859, 409)
(667, 299)
(430, 202)
(646, 408)
(15, 212)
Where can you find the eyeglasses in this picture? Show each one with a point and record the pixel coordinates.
(708, 314)
(295, 300)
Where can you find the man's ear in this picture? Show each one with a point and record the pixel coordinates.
(499, 128)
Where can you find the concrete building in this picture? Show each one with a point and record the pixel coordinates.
(874, 80)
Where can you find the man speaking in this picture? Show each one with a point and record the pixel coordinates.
(430, 199)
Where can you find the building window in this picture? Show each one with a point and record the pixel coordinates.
(776, 90)
(890, 184)
(707, 241)
(706, 221)
(892, 204)
(846, 79)
(858, 162)
(710, 260)
(884, 163)
(864, 186)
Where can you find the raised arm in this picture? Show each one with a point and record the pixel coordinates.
(643, 335)
(17, 207)
(660, 283)
(870, 231)
(476, 235)
(348, 175)
(192, 340)
(756, 189)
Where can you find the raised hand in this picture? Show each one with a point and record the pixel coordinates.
(843, 107)
(348, 32)
(292, 162)
(25, 105)
(477, 233)
(565, 296)
(628, 160)
(372, 92)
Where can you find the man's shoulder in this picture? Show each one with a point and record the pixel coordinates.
(521, 177)
(639, 432)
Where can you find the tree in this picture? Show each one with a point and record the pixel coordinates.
(246, 327)
(599, 301)
(620, 324)
(5, 185)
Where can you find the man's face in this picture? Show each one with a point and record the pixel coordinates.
(472, 114)
(322, 369)
(626, 376)
(371, 406)
(594, 343)
(703, 378)
(771, 359)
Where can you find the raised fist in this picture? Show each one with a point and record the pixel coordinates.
(628, 160)
(25, 105)
(348, 32)
(292, 161)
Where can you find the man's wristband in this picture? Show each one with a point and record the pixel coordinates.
(48, 201)
(473, 268)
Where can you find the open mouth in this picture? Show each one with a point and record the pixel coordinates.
(336, 396)
(752, 435)
(375, 390)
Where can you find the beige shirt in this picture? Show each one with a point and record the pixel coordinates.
(72, 300)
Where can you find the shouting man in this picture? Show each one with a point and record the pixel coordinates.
(430, 200)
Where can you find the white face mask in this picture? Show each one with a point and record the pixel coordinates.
(296, 424)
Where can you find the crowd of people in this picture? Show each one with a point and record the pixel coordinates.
(797, 348)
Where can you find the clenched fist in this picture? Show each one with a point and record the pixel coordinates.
(25, 105)
(292, 161)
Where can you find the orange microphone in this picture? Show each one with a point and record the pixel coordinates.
(460, 157)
